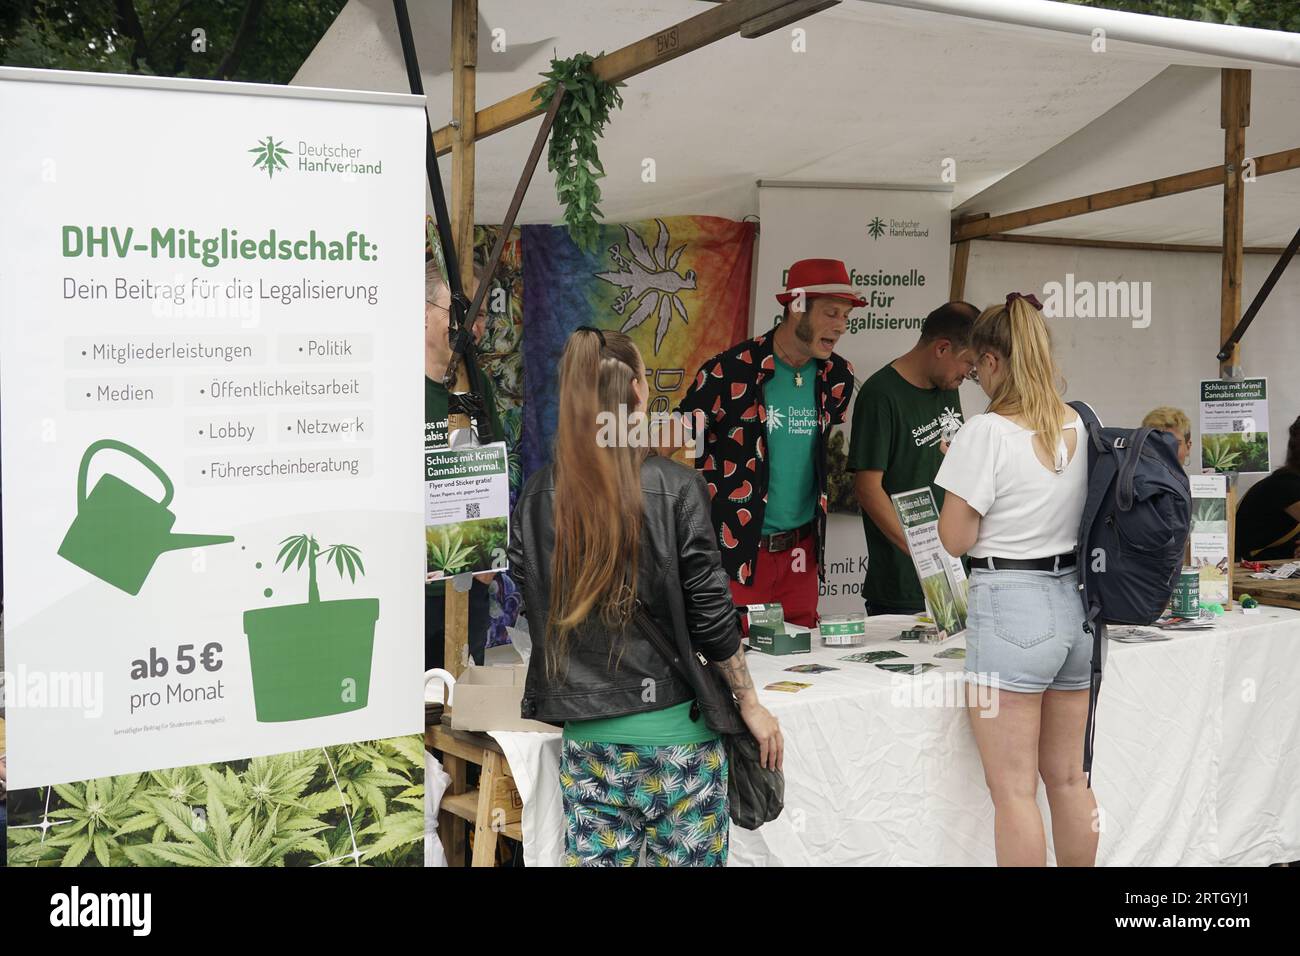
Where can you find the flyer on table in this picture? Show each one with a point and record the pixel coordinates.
(211, 367)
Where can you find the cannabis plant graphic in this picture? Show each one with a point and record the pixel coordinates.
(876, 228)
(269, 155)
(650, 279)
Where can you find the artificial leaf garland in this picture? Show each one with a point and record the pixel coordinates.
(572, 155)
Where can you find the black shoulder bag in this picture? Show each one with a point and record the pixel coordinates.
(755, 795)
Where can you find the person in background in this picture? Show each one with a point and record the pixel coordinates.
(1268, 518)
(903, 418)
(601, 532)
(770, 404)
(1175, 421)
(1016, 479)
(437, 356)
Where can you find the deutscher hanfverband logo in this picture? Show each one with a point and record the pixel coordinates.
(269, 155)
(876, 228)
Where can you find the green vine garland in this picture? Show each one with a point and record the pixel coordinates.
(572, 155)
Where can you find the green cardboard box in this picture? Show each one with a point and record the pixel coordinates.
(771, 640)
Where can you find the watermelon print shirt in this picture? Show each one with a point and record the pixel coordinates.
(729, 390)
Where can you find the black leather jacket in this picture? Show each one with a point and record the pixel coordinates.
(680, 581)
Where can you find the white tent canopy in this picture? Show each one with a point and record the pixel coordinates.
(1013, 92)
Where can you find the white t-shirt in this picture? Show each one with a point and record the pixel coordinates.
(1029, 510)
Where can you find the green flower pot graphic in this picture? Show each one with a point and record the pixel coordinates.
(312, 660)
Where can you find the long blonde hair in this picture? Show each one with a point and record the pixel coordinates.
(1032, 386)
(598, 502)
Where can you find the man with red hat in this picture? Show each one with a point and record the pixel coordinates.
(770, 404)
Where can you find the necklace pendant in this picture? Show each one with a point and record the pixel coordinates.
(798, 380)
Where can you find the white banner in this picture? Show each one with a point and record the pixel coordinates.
(895, 244)
(210, 354)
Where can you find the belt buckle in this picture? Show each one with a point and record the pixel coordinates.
(777, 541)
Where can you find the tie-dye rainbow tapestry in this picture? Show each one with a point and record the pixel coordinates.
(678, 285)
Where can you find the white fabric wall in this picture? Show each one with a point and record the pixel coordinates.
(1124, 372)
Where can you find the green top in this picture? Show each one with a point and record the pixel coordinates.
(896, 429)
(792, 443)
(652, 728)
(435, 434)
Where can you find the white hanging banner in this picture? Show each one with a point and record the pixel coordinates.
(894, 242)
(210, 354)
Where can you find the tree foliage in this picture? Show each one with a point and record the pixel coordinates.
(250, 40)
(1265, 14)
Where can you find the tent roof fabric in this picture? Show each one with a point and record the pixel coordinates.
(1011, 92)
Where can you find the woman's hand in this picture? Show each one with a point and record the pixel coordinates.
(766, 730)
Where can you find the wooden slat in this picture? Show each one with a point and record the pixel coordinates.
(462, 805)
(1168, 186)
(1234, 118)
(668, 44)
(1127, 245)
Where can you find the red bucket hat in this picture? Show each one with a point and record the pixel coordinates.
(814, 277)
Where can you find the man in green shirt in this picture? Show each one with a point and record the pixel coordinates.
(903, 419)
(437, 356)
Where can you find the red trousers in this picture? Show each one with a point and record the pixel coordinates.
(776, 581)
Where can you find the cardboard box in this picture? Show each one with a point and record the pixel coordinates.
(487, 698)
(787, 640)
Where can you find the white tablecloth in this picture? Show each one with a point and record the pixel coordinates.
(1197, 759)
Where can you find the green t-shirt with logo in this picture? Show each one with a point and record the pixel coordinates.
(435, 433)
(791, 443)
(896, 429)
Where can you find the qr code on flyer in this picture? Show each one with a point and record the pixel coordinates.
(471, 509)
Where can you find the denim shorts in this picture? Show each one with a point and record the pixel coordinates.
(1025, 631)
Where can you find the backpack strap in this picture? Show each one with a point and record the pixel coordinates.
(1092, 613)
(1128, 467)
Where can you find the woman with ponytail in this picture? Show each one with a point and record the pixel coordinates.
(1015, 481)
(606, 532)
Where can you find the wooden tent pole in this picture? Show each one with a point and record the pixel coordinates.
(960, 260)
(1234, 117)
(464, 58)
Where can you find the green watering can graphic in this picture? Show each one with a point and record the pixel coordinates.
(119, 531)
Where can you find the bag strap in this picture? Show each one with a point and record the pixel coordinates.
(1098, 629)
(1274, 544)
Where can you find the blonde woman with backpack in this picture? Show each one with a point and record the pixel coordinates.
(1015, 481)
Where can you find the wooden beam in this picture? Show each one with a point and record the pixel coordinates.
(464, 55)
(1127, 245)
(1125, 195)
(793, 13)
(960, 259)
(1234, 117)
(668, 44)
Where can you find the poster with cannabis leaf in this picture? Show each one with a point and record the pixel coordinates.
(943, 579)
(467, 510)
(359, 804)
(1234, 426)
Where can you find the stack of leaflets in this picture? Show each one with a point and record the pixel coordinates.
(1136, 635)
(1174, 622)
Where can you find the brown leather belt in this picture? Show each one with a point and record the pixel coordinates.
(784, 540)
